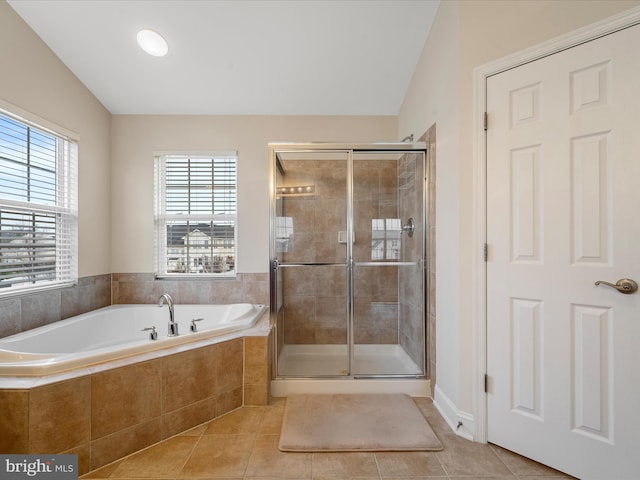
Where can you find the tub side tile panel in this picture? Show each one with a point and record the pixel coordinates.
(256, 394)
(188, 377)
(229, 400)
(124, 397)
(256, 370)
(228, 358)
(188, 417)
(59, 416)
(120, 444)
(84, 460)
(14, 421)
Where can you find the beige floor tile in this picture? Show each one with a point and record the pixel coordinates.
(544, 477)
(315, 477)
(231, 449)
(431, 477)
(462, 457)
(277, 401)
(520, 465)
(482, 477)
(218, 456)
(246, 477)
(272, 420)
(430, 412)
(242, 421)
(266, 460)
(196, 431)
(103, 472)
(343, 465)
(164, 460)
(405, 464)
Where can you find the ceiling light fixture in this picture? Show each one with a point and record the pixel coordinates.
(152, 43)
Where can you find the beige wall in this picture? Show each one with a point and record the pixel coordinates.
(35, 80)
(136, 138)
(467, 34)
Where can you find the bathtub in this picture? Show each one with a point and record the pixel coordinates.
(116, 332)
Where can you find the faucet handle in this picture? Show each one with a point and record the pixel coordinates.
(153, 335)
(194, 327)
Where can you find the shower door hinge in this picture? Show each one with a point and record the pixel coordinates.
(485, 252)
(486, 121)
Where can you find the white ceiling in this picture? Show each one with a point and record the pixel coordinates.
(293, 57)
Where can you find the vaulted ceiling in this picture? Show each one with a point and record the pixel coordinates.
(267, 57)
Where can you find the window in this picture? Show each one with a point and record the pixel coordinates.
(386, 237)
(38, 207)
(196, 215)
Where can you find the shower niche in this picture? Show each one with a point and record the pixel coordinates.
(348, 283)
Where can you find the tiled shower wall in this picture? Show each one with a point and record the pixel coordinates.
(25, 312)
(375, 297)
(411, 277)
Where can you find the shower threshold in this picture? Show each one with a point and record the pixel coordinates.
(315, 369)
(332, 361)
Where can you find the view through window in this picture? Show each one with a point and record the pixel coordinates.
(38, 207)
(196, 200)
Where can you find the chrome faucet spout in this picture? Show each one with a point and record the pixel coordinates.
(173, 326)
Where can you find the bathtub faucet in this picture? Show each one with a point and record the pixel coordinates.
(173, 326)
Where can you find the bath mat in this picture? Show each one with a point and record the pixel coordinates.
(355, 423)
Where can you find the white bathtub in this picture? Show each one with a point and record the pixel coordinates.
(115, 332)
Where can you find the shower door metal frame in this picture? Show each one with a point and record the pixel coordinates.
(274, 265)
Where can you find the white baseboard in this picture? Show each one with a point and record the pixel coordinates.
(461, 423)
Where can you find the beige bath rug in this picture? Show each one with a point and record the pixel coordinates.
(352, 423)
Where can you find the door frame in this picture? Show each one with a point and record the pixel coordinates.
(479, 267)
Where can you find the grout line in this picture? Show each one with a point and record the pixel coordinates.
(188, 457)
(375, 459)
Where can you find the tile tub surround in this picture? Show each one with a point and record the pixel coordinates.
(28, 311)
(24, 312)
(109, 414)
(145, 288)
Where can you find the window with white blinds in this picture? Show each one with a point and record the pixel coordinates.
(38, 207)
(196, 214)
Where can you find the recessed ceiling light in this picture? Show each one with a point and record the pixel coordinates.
(152, 43)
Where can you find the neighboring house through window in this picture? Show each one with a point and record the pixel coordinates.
(38, 207)
(196, 214)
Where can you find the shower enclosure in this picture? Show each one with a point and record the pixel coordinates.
(348, 283)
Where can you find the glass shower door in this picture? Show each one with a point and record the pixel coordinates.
(388, 270)
(311, 263)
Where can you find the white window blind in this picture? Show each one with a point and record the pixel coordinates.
(196, 214)
(38, 207)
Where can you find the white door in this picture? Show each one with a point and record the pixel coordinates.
(563, 211)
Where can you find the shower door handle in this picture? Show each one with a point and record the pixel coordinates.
(409, 227)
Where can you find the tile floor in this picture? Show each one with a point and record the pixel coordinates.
(244, 445)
